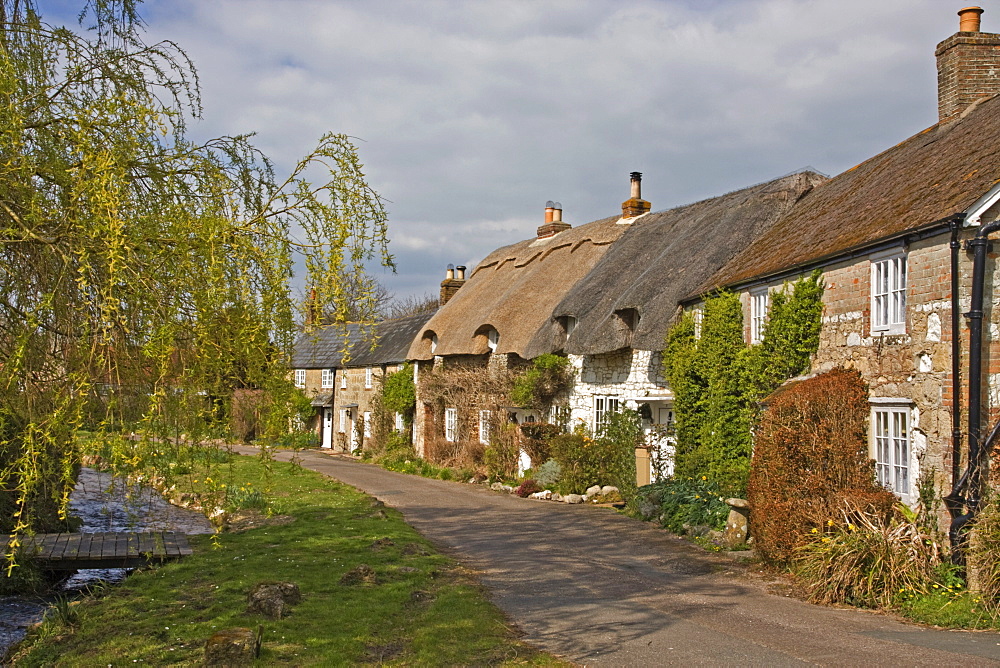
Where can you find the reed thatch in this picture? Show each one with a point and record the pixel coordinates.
(513, 291)
(910, 187)
(661, 258)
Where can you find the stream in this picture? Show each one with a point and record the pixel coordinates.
(104, 504)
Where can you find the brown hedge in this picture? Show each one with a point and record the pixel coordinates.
(810, 461)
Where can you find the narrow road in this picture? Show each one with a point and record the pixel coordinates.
(601, 589)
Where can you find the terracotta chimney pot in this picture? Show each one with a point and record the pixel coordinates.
(549, 211)
(969, 19)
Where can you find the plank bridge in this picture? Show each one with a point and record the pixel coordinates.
(74, 551)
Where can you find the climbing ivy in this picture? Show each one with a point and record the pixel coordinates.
(547, 377)
(718, 381)
(399, 393)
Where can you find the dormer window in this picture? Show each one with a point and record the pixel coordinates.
(626, 320)
(492, 339)
(568, 324)
(434, 343)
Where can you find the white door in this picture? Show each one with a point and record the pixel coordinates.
(660, 440)
(327, 428)
(352, 434)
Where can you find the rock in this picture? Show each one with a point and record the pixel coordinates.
(381, 544)
(593, 490)
(497, 486)
(417, 549)
(272, 599)
(609, 489)
(544, 495)
(573, 498)
(556, 496)
(738, 522)
(232, 647)
(363, 574)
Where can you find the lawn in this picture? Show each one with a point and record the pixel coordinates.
(422, 609)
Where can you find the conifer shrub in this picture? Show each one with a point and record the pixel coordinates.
(810, 461)
(548, 474)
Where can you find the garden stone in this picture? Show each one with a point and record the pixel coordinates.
(593, 491)
(556, 496)
(272, 599)
(738, 522)
(573, 498)
(608, 489)
(544, 495)
(232, 647)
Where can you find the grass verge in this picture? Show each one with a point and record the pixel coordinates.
(422, 609)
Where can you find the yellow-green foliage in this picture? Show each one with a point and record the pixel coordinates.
(147, 275)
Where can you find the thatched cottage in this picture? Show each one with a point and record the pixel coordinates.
(618, 315)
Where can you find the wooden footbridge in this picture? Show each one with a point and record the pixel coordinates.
(74, 551)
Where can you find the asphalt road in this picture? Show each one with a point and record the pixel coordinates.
(601, 589)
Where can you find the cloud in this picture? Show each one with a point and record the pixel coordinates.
(470, 115)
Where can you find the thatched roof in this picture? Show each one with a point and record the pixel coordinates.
(513, 291)
(324, 349)
(662, 257)
(910, 187)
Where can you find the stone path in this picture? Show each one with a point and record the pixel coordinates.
(601, 589)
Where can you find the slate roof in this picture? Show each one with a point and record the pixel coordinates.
(513, 290)
(665, 255)
(911, 187)
(324, 349)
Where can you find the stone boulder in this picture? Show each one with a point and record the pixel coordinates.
(609, 489)
(272, 599)
(593, 490)
(544, 495)
(363, 574)
(573, 498)
(738, 522)
(232, 647)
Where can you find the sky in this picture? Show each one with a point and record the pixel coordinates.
(470, 115)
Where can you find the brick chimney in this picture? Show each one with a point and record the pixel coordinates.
(968, 65)
(553, 221)
(635, 205)
(451, 283)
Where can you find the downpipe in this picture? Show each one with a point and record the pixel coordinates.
(967, 491)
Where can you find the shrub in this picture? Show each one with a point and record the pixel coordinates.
(984, 554)
(548, 376)
(501, 455)
(527, 488)
(685, 501)
(245, 498)
(548, 474)
(586, 460)
(867, 560)
(536, 439)
(810, 461)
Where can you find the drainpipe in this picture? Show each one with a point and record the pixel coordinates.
(956, 356)
(971, 480)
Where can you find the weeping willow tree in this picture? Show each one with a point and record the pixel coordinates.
(144, 276)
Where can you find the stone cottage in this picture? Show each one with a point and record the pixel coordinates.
(894, 239)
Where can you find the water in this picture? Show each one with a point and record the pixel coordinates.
(104, 504)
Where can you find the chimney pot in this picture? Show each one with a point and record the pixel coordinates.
(461, 272)
(556, 212)
(549, 211)
(450, 273)
(635, 205)
(969, 19)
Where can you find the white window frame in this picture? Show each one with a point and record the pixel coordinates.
(760, 301)
(326, 379)
(450, 424)
(343, 379)
(484, 427)
(368, 378)
(400, 423)
(300, 378)
(602, 407)
(892, 447)
(698, 315)
(492, 339)
(888, 293)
